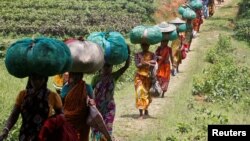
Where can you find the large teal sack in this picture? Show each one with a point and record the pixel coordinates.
(16, 58)
(182, 27)
(189, 14)
(43, 56)
(136, 34)
(114, 45)
(170, 36)
(145, 34)
(98, 38)
(68, 63)
(173, 35)
(181, 10)
(196, 4)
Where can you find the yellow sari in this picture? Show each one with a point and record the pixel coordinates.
(176, 52)
(142, 81)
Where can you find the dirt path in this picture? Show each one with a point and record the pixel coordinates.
(126, 122)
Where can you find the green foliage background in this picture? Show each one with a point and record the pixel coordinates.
(72, 17)
(242, 29)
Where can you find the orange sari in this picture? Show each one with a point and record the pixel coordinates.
(142, 81)
(164, 70)
(76, 110)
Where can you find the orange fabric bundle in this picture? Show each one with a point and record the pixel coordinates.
(58, 80)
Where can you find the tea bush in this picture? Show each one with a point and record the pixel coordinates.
(242, 27)
(223, 79)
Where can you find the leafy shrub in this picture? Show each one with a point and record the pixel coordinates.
(3, 47)
(223, 79)
(183, 128)
(171, 138)
(242, 27)
(204, 117)
(218, 52)
(72, 18)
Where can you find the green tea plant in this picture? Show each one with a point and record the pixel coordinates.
(183, 128)
(171, 138)
(218, 52)
(60, 18)
(242, 27)
(223, 79)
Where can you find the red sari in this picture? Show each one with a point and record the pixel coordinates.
(164, 70)
(197, 21)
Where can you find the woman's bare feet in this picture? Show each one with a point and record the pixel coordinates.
(140, 117)
(146, 112)
(141, 114)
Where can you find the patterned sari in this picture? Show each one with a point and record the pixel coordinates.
(142, 81)
(164, 70)
(34, 111)
(105, 103)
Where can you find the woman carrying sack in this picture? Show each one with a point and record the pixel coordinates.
(36, 103)
(104, 86)
(144, 61)
(196, 5)
(178, 51)
(116, 51)
(79, 104)
(188, 14)
(164, 56)
(76, 104)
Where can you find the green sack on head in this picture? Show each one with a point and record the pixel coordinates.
(189, 14)
(196, 4)
(98, 38)
(116, 49)
(173, 35)
(114, 45)
(182, 27)
(169, 36)
(68, 62)
(43, 56)
(16, 58)
(181, 10)
(145, 34)
(136, 34)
